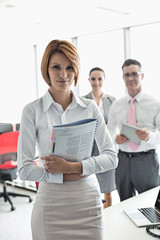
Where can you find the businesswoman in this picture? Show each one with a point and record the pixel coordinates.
(104, 101)
(68, 202)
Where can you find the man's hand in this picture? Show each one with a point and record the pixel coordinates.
(143, 134)
(120, 139)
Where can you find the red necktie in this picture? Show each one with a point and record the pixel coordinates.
(132, 121)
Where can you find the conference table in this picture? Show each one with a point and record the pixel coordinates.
(118, 225)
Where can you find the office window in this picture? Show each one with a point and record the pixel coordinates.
(145, 47)
(21, 79)
(17, 78)
(105, 50)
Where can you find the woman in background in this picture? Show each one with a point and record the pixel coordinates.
(104, 101)
(68, 202)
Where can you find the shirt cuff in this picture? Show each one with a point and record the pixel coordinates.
(56, 177)
(151, 138)
(87, 168)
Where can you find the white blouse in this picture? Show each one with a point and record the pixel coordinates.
(37, 120)
(101, 104)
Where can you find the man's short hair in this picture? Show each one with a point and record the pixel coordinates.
(129, 62)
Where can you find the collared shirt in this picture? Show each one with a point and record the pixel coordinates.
(37, 120)
(147, 116)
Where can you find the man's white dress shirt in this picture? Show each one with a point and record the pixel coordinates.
(147, 116)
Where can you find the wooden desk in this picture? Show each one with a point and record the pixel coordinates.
(118, 226)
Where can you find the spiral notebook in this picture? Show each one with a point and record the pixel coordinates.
(74, 141)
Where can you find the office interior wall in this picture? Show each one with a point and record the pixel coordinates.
(104, 50)
(17, 79)
(20, 75)
(145, 46)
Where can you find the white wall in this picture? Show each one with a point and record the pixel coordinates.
(16, 74)
(145, 46)
(104, 50)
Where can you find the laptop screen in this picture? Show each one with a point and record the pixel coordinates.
(157, 204)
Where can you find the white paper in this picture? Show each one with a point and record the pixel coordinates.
(74, 141)
(129, 131)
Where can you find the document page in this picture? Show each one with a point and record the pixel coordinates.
(74, 141)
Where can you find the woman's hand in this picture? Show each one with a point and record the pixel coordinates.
(55, 164)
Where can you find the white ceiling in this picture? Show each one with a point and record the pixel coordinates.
(71, 18)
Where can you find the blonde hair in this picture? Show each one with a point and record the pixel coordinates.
(70, 52)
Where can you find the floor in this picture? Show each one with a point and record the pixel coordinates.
(15, 225)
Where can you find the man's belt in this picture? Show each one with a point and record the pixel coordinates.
(136, 154)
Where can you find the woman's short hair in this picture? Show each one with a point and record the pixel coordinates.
(96, 69)
(70, 52)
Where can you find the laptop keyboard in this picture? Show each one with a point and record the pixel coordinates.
(151, 214)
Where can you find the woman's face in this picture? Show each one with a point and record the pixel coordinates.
(96, 80)
(61, 72)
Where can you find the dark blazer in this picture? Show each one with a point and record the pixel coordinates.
(107, 179)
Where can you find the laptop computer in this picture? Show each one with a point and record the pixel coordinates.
(148, 216)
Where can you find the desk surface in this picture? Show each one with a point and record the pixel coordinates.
(118, 226)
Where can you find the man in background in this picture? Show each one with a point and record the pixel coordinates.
(138, 168)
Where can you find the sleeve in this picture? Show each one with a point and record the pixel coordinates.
(154, 138)
(113, 125)
(107, 159)
(27, 149)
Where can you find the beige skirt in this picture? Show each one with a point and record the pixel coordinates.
(69, 211)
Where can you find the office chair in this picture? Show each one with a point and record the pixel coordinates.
(6, 127)
(8, 164)
(16, 127)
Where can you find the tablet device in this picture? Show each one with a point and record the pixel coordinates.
(129, 131)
